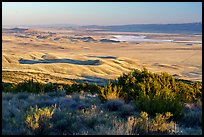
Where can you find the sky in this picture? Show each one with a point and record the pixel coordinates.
(100, 13)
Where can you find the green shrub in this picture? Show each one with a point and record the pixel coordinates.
(189, 92)
(153, 84)
(8, 87)
(145, 82)
(157, 93)
(159, 105)
(50, 87)
(30, 86)
(82, 87)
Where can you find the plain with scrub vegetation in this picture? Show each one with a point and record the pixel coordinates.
(137, 103)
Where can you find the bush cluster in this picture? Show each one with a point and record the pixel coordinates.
(32, 86)
(153, 93)
(86, 87)
(83, 113)
(150, 92)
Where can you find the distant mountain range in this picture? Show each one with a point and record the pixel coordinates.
(13, 30)
(184, 28)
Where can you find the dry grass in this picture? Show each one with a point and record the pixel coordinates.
(187, 59)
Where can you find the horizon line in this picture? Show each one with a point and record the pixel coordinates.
(199, 22)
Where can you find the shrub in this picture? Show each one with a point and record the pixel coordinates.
(7, 96)
(192, 118)
(76, 97)
(77, 122)
(157, 93)
(56, 93)
(12, 116)
(159, 105)
(160, 124)
(188, 93)
(38, 119)
(65, 123)
(82, 87)
(138, 125)
(30, 86)
(45, 103)
(144, 125)
(198, 104)
(68, 104)
(8, 87)
(22, 95)
(190, 131)
(126, 110)
(50, 87)
(109, 92)
(152, 84)
(114, 105)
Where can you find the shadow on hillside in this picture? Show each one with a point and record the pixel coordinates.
(104, 57)
(70, 61)
(93, 80)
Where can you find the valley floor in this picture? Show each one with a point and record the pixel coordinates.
(65, 58)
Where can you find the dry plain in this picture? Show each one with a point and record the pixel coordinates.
(66, 56)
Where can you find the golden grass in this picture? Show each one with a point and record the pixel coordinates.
(174, 58)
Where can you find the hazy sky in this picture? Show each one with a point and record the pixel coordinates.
(100, 13)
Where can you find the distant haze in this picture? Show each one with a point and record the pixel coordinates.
(100, 13)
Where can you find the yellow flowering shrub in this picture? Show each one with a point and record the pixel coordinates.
(144, 125)
(110, 92)
(160, 124)
(38, 118)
